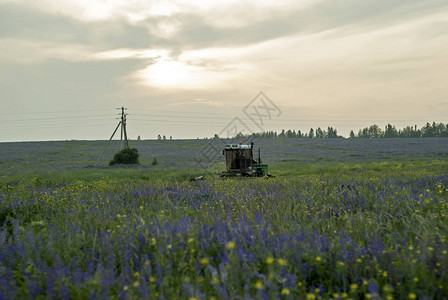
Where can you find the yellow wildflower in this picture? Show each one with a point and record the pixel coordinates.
(282, 262)
(230, 245)
(285, 291)
(310, 296)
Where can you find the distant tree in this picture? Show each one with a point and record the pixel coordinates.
(282, 134)
(159, 137)
(216, 136)
(171, 137)
(352, 134)
(138, 138)
(390, 131)
(319, 133)
(311, 133)
(164, 137)
(332, 132)
(154, 161)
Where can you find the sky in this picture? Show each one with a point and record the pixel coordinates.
(187, 69)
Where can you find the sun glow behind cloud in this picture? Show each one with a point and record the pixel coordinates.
(168, 73)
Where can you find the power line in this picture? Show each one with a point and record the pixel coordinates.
(58, 111)
(57, 118)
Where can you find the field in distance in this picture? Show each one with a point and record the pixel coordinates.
(178, 159)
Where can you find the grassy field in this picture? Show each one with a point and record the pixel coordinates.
(342, 219)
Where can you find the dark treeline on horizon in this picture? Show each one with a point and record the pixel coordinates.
(373, 131)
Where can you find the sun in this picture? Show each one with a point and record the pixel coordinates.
(173, 74)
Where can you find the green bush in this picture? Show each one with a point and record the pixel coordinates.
(125, 156)
(154, 161)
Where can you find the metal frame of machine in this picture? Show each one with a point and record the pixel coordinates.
(240, 161)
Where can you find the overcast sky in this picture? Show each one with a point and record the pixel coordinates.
(186, 68)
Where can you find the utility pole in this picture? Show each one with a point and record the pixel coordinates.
(123, 128)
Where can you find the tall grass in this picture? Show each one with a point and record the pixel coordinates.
(362, 231)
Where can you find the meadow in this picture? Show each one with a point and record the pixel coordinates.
(359, 219)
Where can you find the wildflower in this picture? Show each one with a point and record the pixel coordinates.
(269, 260)
(365, 282)
(215, 280)
(136, 274)
(359, 260)
(281, 262)
(153, 241)
(412, 296)
(415, 279)
(388, 288)
(318, 258)
(169, 246)
(384, 273)
(431, 249)
(230, 245)
(194, 298)
(259, 285)
(204, 261)
(152, 279)
(190, 240)
(335, 295)
(353, 286)
(136, 284)
(340, 263)
(285, 291)
(310, 296)
(125, 288)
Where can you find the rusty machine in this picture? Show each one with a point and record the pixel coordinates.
(240, 161)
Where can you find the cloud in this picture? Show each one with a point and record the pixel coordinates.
(341, 58)
(200, 102)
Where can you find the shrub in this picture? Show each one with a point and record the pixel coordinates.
(154, 161)
(125, 156)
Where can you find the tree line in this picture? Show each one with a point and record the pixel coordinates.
(373, 131)
(318, 133)
(390, 131)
